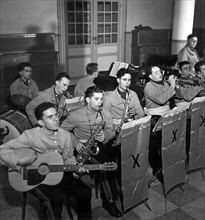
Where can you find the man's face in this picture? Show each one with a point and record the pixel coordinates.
(124, 82)
(95, 74)
(95, 102)
(50, 120)
(156, 74)
(192, 42)
(202, 70)
(62, 85)
(185, 70)
(26, 72)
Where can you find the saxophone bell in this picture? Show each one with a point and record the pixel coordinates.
(94, 149)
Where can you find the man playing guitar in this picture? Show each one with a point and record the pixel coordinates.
(47, 138)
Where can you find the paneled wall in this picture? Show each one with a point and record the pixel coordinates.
(38, 49)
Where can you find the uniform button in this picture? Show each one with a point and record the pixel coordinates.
(55, 141)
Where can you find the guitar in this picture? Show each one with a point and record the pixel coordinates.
(48, 169)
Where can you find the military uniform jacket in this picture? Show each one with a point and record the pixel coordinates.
(47, 95)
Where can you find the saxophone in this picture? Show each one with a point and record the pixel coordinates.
(124, 119)
(91, 146)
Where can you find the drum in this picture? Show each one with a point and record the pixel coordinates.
(12, 124)
(20, 101)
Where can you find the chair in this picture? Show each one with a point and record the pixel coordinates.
(45, 204)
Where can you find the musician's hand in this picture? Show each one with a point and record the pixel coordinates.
(83, 170)
(172, 81)
(100, 136)
(80, 170)
(67, 95)
(132, 112)
(27, 160)
(80, 148)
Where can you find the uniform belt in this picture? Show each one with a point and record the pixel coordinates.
(157, 111)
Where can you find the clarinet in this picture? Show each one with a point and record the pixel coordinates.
(117, 139)
(91, 146)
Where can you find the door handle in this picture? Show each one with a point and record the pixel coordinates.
(95, 40)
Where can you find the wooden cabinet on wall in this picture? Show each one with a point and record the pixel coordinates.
(145, 42)
(38, 49)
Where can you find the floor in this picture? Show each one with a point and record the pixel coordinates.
(188, 204)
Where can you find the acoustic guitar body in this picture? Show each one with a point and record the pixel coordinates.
(39, 172)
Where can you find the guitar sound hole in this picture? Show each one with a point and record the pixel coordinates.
(43, 169)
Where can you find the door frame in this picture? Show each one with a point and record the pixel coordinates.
(62, 40)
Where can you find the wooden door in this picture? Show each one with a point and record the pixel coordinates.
(93, 30)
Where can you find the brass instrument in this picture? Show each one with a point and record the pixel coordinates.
(91, 146)
(125, 118)
(195, 81)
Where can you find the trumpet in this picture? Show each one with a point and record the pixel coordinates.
(192, 82)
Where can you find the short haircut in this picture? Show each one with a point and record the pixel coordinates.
(198, 65)
(62, 75)
(191, 36)
(181, 64)
(121, 72)
(41, 108)
(91, 68)
(149, 70)
(91, 90)
(22, 65)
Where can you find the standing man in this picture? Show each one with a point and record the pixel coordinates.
(24, 85)
(44, 139)
(56, 94)
(84, 122)
(189, 53)
(119, 99)
(86, 81)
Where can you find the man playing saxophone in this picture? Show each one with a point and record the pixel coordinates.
(93, 123)
(122, 103)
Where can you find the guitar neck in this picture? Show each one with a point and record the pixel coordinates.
(64, 168)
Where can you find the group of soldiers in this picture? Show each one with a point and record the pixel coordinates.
(100, 118)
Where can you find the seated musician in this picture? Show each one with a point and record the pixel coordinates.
(200, 73)
(86, 81)
(124, 106)
(56, 94)
(158, 100)
(24, 85)
(189, 86)
(93, 123)
(123, 103)
(158, 92)
(48, 137)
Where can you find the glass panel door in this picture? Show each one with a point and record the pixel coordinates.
(107, 22)
(78, 22)
(92, 34)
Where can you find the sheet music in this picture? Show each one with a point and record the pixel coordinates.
(116, 66)
(136, 122)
